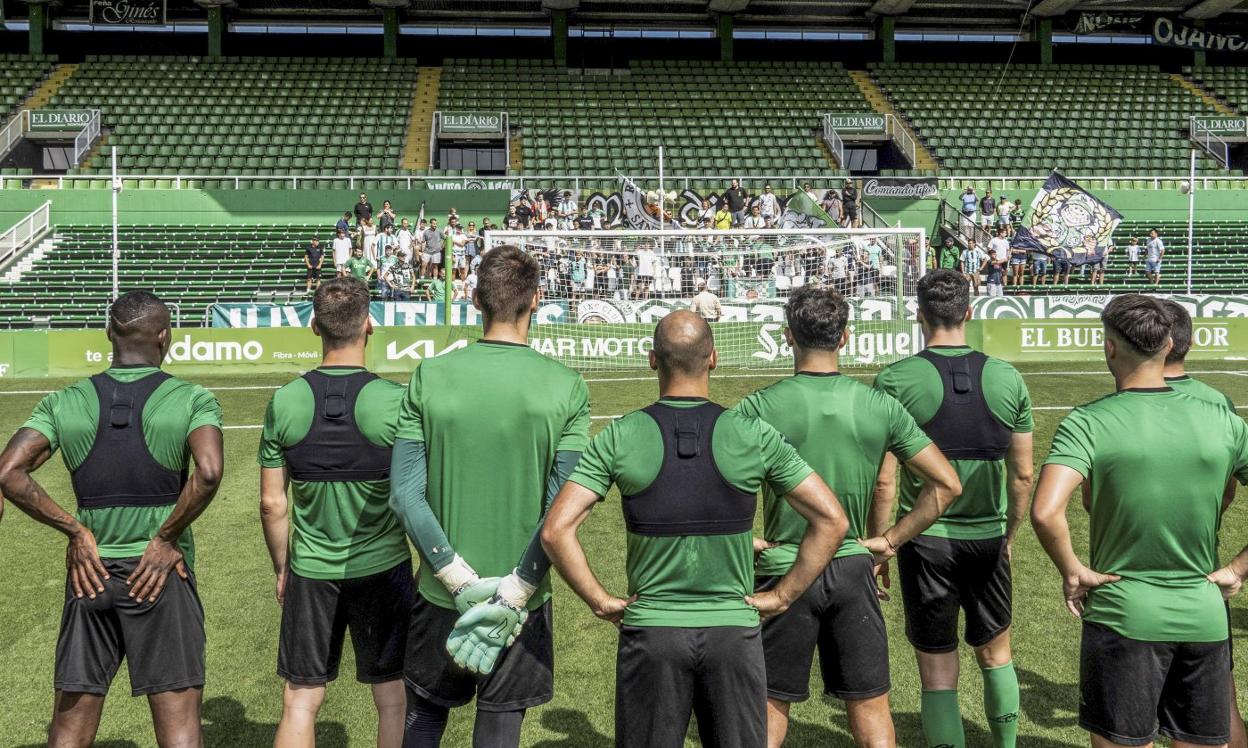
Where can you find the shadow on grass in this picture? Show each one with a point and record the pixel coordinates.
(226, 724)
(575, 728)
(1047, 703)
(105, 744)
(977, 736)
(1239, 618)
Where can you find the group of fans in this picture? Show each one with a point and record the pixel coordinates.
(715, 622)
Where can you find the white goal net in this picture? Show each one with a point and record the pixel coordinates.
(603, 291)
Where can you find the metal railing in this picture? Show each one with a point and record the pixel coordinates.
(897, 131)
(86, 137)
(964, 229)
(25, 231)
(833, 140)
(13, 131)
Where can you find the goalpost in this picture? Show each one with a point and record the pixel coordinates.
(604, 291)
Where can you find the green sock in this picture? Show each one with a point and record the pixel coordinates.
(1001, 704)
(942, 720)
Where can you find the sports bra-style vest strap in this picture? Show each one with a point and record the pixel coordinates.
(689, 496)
(334, 449)
(964, 427)
(119, 440)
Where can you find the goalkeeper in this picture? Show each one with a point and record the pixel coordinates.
(475, 522)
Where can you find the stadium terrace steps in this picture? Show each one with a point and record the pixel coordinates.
(49, 87)
(1034, 118)
(1229, 84)
(880, 102)
(1199, 92)
(420, 119)
(13, 273)
(713, 118)
(246, 116)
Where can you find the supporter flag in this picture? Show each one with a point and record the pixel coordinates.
(801, 212)
(1068, 217)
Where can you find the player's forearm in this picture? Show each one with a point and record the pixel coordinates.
(276, 524)
(814, 553)
(883, 497)
(207, 450)
(1018, 489)
(408, 482)
(1054, 533)
(535, 564)
(24, 491)
(931, 502)
(567, 556)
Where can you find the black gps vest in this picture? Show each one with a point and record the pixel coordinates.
(689, 496)
(964, 428)
(334, 449)
(120, 470)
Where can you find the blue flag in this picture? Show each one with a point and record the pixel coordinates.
(1068, 220)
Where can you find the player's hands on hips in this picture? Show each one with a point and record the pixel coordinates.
(880, 548)
(761, 545)
(482, 634)
(1228, 580)
(82, 561)
(149, 577)
(882, 583)
(611, 609)
(768, 604)
(1077, 585)
(475, 593)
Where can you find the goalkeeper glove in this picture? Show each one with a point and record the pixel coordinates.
(482, 634)
(466, 587)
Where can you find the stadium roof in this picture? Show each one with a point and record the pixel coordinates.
(962, 14)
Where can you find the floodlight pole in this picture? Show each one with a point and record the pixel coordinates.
(1191, 217)
(116, 185)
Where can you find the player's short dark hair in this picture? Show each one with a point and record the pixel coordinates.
(1139, 321)
(1180, 331)
(138, 313)
(506, 282)
(683, 343)
(944, 296)
(340, 306)
(817, 316)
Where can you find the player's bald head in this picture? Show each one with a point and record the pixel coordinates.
(683, 344)
(138, 316)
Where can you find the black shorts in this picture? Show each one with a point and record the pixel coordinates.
(665, 674)
(523, 678)
(317, 613)
(840, 616)
(161, 642)
(1130, 690)
(942, 576)
(314, 273)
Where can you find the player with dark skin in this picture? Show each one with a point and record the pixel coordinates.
(143, 342)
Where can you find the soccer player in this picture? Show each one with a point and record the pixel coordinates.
(131, 591)
(843, 429)
(689, 472)
(475, 522)
(977, 411)
(1178, 379)
(1155, 652)
(340, 557)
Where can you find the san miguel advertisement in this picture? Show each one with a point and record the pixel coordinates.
(128, 12)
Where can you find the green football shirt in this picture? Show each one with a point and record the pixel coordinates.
(358, 267)
(1157, 462)
(492, 416)
(695, 580)
(1201, 391)
(339, 529)
(69, 419)
(841, 428)
(980, 512)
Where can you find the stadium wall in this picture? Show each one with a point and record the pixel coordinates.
(220, 351)
(140, 206)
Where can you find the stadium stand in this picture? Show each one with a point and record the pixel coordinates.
(18, 75)
(1231, 84)
(1032, 118)
(191, 266)
(246, 116)
(712, 117)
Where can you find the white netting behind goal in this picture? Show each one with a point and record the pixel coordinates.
(603, 291)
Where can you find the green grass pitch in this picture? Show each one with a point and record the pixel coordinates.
(242, 701)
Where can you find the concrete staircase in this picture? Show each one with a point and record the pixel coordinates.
(1200, 92)
(51, 85)
(515, 162)
(14, 272)
(880, 102)
(420, 119)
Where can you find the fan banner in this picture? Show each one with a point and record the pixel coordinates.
(802, 212)
(1069, 221)
(1167, 30)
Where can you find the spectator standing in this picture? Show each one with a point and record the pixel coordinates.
(344, 223)
(1061, 266)
(1039, 268)
(342, 251)
(769, 205)
(512, 221)
(810, 192)
(1001, 246)
(458, 239)
(1016, 215)
(949, 255)
(994, 269)
(470, 283)
(706, 216)
(723, 217)
(849, 201)
(647, 261)
(566, 211)
(359, 267)
(1098, 267)
(838, 268)
(524, 211)
(598, 217)
(970, 201)
(584, 223)
(386, 217)
(406, 238)
(384, 263)
(474, 245)
(401, 278)
(363, 210)
(755, 219)
(987, 212)
(386, 239)
(706, 304)
(735, 197)
(832, 206)
(1003, 213)
(313, 259)
(368, 240)
(433, 251)
(541, 212)
(1133, 256)
(1153, 252)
